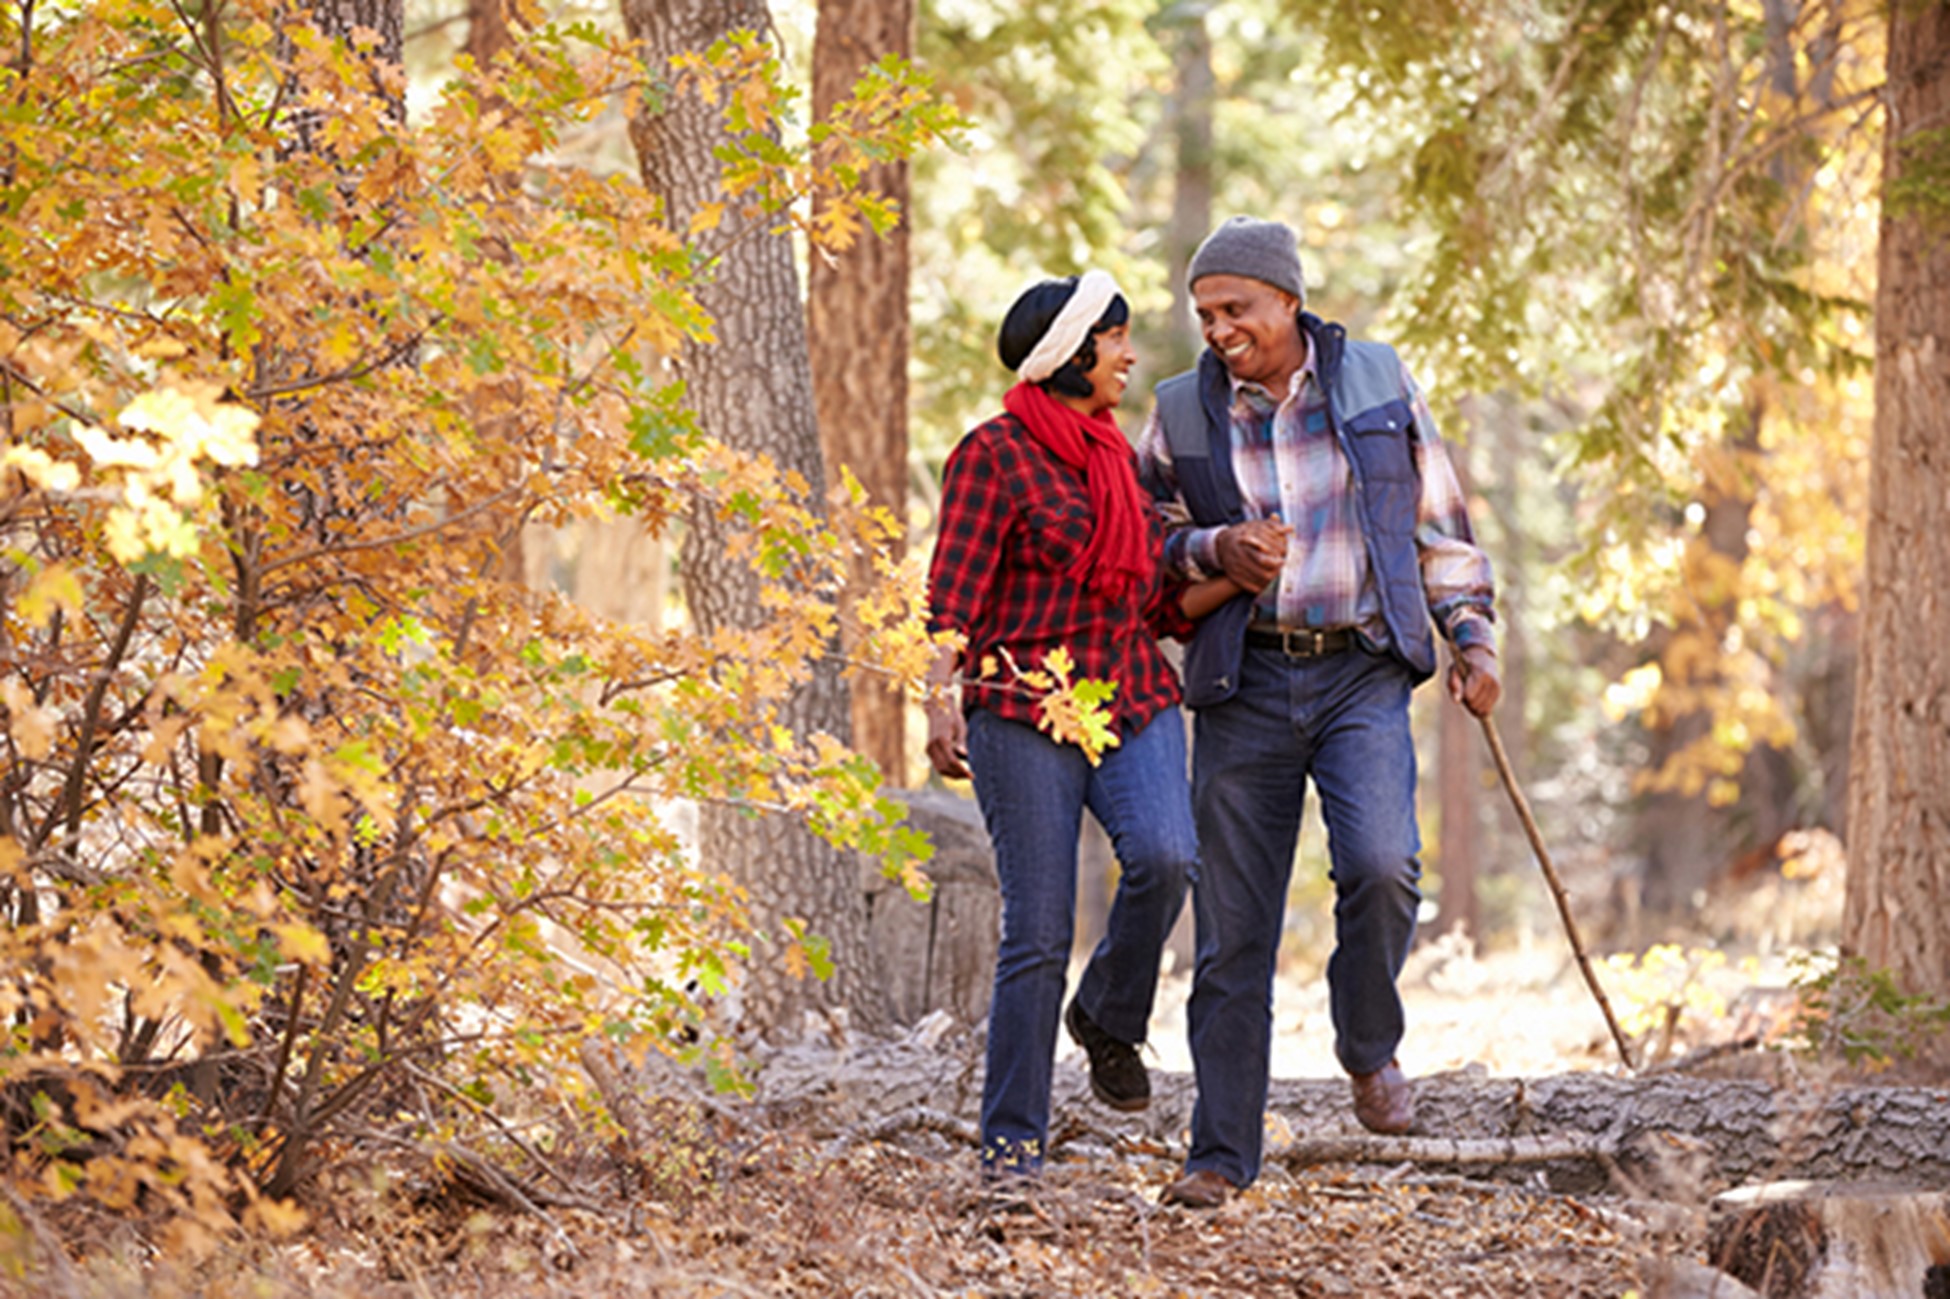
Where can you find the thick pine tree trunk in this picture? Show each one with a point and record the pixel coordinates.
(1899, 805)
(752, 389)
(857, 307)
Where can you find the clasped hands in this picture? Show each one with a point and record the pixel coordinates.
(1251, 553)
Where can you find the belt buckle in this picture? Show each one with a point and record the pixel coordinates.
(1307, 643)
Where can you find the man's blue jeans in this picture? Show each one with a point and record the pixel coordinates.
(1033, 792)
(1342, 720)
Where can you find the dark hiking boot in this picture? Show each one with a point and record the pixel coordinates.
(1383, 1102)
(1117, 1076)
(1204, 1189)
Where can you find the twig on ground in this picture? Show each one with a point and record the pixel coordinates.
(573, 1197)
(624, 1098)
(494, 1181)
(46, 1242)
(1705, 1054)
(918, 1119)
(1353, 1149)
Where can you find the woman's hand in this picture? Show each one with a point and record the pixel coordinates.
(947, 737)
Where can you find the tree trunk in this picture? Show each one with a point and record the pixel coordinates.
(1459, 795)
(487, 31)
(857, 308)
(1899, 794)
(1833, 1240)
(752, 389)
(338, 19)
(1194, 89)
(1506, 847)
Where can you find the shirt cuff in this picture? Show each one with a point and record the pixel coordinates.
(1469, 628)
(1199, 553)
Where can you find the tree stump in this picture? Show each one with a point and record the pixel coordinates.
(939, 954)
(1834, 1240)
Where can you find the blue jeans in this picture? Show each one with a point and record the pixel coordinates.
(1343, 721)
(1033, 792)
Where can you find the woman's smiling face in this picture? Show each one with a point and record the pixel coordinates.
(1112, 372)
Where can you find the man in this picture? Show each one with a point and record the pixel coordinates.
(1306, 468)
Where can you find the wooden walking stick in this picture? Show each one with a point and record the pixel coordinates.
(1557, 886)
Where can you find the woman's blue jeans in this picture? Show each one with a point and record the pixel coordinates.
(1343, 722)
(1033, 791)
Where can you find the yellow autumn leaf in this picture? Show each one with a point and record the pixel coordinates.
(341, 345)
(218, 430)
(41, 469)
(31, 725)
(163, 735)
(55, 588)
(161, 348)
(289, 734)
(302, 943)
(276, 1217)
(111, 452)
(706, 218)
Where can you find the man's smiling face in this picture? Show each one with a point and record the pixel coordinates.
(1252, 326)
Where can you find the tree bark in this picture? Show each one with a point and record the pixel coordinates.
(1899, 797)
(1833, 1240)
(488, 33)
(1194, 90)
(1459, 794)
(1669, 1135)
(386, 19)
(752, 389)
(857, 308)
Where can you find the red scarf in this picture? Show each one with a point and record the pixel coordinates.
(1117, 563)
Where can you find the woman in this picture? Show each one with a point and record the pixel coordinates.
(1046, 542)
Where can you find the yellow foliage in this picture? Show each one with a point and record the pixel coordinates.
(1656, 987)
(296, 771)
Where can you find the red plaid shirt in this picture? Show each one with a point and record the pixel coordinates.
(1013, 518)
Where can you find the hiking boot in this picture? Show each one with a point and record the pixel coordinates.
(1204, 1189)
(1117, 1076)
(1383, 1102)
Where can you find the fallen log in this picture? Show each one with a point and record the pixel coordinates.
(1673, 1136)
(1669, 1136)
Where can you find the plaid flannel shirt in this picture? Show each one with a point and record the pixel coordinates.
(1013, 518)
(1290, 466)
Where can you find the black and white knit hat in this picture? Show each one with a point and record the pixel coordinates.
(1039, 336)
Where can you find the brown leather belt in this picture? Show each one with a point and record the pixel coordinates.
(1306, 643)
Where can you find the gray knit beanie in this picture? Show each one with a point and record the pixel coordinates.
(1266, 251)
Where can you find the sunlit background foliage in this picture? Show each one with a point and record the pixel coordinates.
(308, 754)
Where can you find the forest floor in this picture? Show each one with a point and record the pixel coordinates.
(809, 1203)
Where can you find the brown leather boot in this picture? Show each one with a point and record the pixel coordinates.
(1383, 1102)
(1204, 1189)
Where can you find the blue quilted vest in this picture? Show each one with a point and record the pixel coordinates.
(1370, 416)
